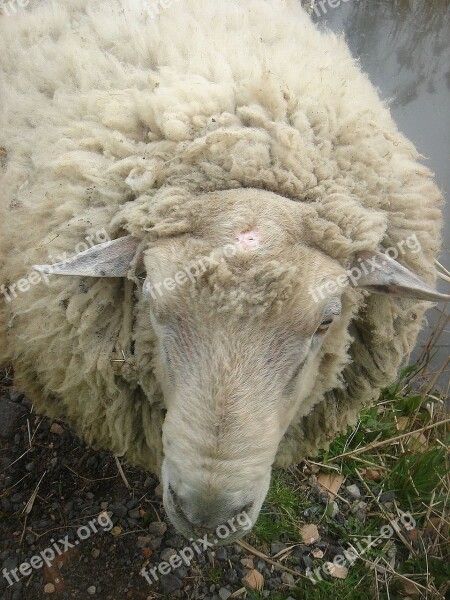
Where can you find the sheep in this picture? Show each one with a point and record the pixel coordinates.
(268, 239)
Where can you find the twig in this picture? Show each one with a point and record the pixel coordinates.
(122, 474)
(269, 560)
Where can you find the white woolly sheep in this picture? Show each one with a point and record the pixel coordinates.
(245, 169)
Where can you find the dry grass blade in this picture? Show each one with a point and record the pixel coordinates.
(122, 473)
(269, 560)
(30, 502)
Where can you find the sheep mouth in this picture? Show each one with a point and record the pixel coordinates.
(186, 528)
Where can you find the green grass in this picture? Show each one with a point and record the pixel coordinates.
(414, 467)
(282, 509)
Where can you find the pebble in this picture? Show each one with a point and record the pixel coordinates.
(287, 578)
(155, 543)
(170, 583)
(49, 588)
(333, 508)
(157, 528)
(224, 593)
(118, 509)
(359, 511)
(300, 550)
(276, 548)
(221, 553)
(311, 510)
(167, 553)
(11, 414)
(16, 396)
(91, 590)
(56, 429)
(354, 491)
(387, 497)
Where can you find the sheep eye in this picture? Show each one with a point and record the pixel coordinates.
(324, 326)
(332, 310)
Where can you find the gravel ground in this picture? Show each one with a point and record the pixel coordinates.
(52, 484)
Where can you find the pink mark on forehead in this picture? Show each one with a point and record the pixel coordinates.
(248, 239)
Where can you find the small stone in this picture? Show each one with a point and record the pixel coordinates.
(95, 552)
(359, 511)
(387, 497)
(170, 583)
(307, 561)
(354, 491)
(311, 510)
(287, 579)
(143, 540)
(57, 429)
(159, 490)
(134, 513)
(118, 509)
(224, 593)
(221, 553)
(324, 497)
(167, 553)
(116, 530)
(49, 588)
(16, 396)
(11, 414)
(156, 543)
(300, 550)
(146, 552)
(276, 548)
(91, 590)
(157, 528)
(333, 507)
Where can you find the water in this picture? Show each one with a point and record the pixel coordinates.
(404, 47)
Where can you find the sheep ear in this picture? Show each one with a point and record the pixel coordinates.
(381, 274)
(108, 259)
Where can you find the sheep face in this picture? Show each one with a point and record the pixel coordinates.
(238, 350)
(240, 338)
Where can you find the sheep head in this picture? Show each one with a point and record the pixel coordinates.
(240, 336)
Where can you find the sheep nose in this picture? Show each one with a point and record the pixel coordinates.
(208, 513)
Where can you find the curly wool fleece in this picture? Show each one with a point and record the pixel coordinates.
(111, 116)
